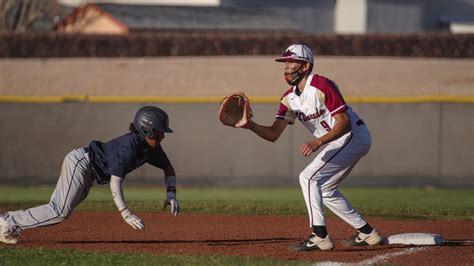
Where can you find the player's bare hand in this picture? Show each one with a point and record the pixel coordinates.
(131, 219)
(310, 147)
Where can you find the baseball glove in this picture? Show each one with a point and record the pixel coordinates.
(235, 111)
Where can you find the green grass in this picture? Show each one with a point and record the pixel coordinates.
(401, 203)
(41, 256)
(413, 203)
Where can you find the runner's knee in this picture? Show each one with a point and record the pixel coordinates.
(61, 214)
(304, 176)
(330, 193)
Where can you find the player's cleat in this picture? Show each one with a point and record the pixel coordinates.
(361, 239)
(8, 232)
(313, 242)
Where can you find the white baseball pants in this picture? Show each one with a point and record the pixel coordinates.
(72, 188)
(321, 178)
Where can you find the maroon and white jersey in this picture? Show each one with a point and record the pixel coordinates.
(315, 106)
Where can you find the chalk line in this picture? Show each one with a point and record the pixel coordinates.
(375, 260)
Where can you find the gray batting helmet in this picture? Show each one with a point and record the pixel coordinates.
(148, 118)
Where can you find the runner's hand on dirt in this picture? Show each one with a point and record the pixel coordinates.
(173, 202)
(134, 221)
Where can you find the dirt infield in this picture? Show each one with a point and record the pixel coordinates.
(259, 236)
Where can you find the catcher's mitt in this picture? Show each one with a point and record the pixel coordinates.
(235, 111)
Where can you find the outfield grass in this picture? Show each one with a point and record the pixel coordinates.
(400, 203)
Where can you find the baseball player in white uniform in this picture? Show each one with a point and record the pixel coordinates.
(341, 137)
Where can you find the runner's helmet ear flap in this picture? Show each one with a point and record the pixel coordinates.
(149, 118)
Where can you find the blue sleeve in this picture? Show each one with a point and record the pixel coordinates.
(159, 158)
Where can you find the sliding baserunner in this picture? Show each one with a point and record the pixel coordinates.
(103, 162)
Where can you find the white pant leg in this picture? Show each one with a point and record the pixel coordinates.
(320, 179)
(72, 188)
(312, 197)
(338, 204)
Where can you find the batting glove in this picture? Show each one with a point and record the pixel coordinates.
(134, 221)
(173, 202)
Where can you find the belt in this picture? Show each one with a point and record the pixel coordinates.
(360, 122)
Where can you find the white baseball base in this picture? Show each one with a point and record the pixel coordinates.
(414, 239)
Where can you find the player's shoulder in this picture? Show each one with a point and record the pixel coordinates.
(290, 90)
(319, 81)
(130, 145)
(322, 83)
(127, 141)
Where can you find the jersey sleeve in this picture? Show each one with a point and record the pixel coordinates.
(284, 111)
(159, 158)
(333, 98)
(119, 166)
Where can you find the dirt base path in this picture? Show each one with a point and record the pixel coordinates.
(259, 236)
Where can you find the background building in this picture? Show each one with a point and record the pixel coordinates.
(122, 19)
(311, 16)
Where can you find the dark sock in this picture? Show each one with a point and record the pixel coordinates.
(366, 229)
(320, 230)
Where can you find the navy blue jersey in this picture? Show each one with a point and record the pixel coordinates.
(122, 155)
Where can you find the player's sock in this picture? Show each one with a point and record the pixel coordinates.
(366, 229)
(320, 231)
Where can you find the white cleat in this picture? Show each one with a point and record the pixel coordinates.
(361, 239)
(313, 242)
(8, 232)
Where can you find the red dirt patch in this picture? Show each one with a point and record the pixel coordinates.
(259, 236)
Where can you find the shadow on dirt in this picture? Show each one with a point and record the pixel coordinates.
(214, 242)
(458, 242)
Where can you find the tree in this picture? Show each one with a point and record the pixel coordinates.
(20, 15)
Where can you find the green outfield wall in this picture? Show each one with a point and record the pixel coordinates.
(416, 141)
